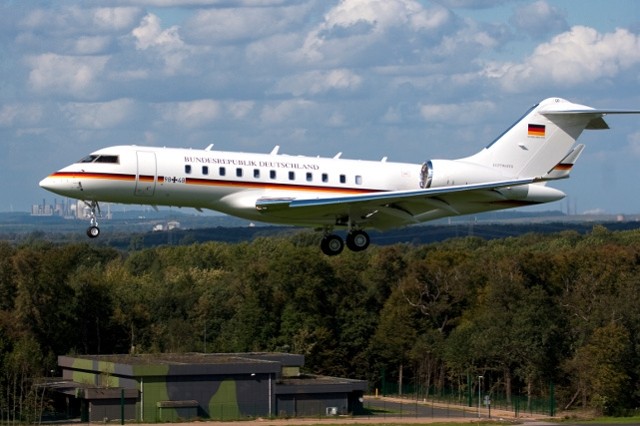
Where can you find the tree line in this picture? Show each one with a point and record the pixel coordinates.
(523, 312)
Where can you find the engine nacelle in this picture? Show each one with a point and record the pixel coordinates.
(439, 173)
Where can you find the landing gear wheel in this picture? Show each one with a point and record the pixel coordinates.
(358, 240)
(332, 245)
(93, 231)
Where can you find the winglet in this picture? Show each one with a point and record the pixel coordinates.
(563, 168)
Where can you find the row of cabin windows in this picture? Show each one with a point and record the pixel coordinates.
(222, 171)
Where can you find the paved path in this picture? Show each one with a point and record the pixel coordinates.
(394, 411)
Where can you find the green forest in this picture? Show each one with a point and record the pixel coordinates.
(524, 312)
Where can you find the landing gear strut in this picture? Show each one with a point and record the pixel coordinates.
(332, 244)
(93, 231)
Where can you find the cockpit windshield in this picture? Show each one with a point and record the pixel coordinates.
(93, 158)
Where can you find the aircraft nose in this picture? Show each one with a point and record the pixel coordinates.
(46, 183)
(57, 184)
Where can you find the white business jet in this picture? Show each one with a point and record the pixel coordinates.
(330, 193)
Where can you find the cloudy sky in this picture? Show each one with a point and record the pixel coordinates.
(408, 79)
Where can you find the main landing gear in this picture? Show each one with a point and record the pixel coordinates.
(93, 231)
(332, 244)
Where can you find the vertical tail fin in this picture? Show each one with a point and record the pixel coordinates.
(541, 139)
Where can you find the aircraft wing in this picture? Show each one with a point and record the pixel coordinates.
(387, 209)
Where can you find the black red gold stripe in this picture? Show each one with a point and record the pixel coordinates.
(563, 167)
(217, 183)
(85, 175)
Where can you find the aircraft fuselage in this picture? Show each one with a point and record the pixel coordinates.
(229, 182)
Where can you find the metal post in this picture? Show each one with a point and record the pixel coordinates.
(270, 397)
(122, 406)
(479, 393)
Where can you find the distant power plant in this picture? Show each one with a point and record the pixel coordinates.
(67, 208)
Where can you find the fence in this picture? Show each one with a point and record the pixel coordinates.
(472, 402)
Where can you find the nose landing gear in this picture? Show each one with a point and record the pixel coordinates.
(93, 231)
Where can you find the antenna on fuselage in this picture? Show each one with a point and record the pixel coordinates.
(275, 150)
(209, 147)
(338, 155)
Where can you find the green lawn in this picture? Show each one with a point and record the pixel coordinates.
(635, 420)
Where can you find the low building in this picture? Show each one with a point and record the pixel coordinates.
(171, 387)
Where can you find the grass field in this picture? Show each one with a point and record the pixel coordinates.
(635, 420)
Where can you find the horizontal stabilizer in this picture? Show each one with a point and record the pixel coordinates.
(596, 123)
(589, 111)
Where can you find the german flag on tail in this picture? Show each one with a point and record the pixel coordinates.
(536, 130)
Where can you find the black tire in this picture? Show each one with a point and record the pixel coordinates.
(93, 232)
(358, 240)
(332, 245)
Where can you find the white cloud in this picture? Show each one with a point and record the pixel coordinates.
(20, 114)
(538, 19)
(99, 115)
(239, 25)
(76, 76)
(91, 45)
(76, 20)
(317, 82)
(473, 4)
(466, 43)
(150, 34)
(381, 15)
(383, 29)
(114, 18)
(282, 111)
(191, 114)
(195, 3)
(576, 57)
(241, 109)
(460, 113)
(163, 44)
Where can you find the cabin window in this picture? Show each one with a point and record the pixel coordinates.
(358, 180)
(343, 179)
(256, 173)
(205, 170)
(292, 175)
(325, 177)
(309, 176)
(272, 174)
(187, 168)
(239, 172)
(223, 171)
